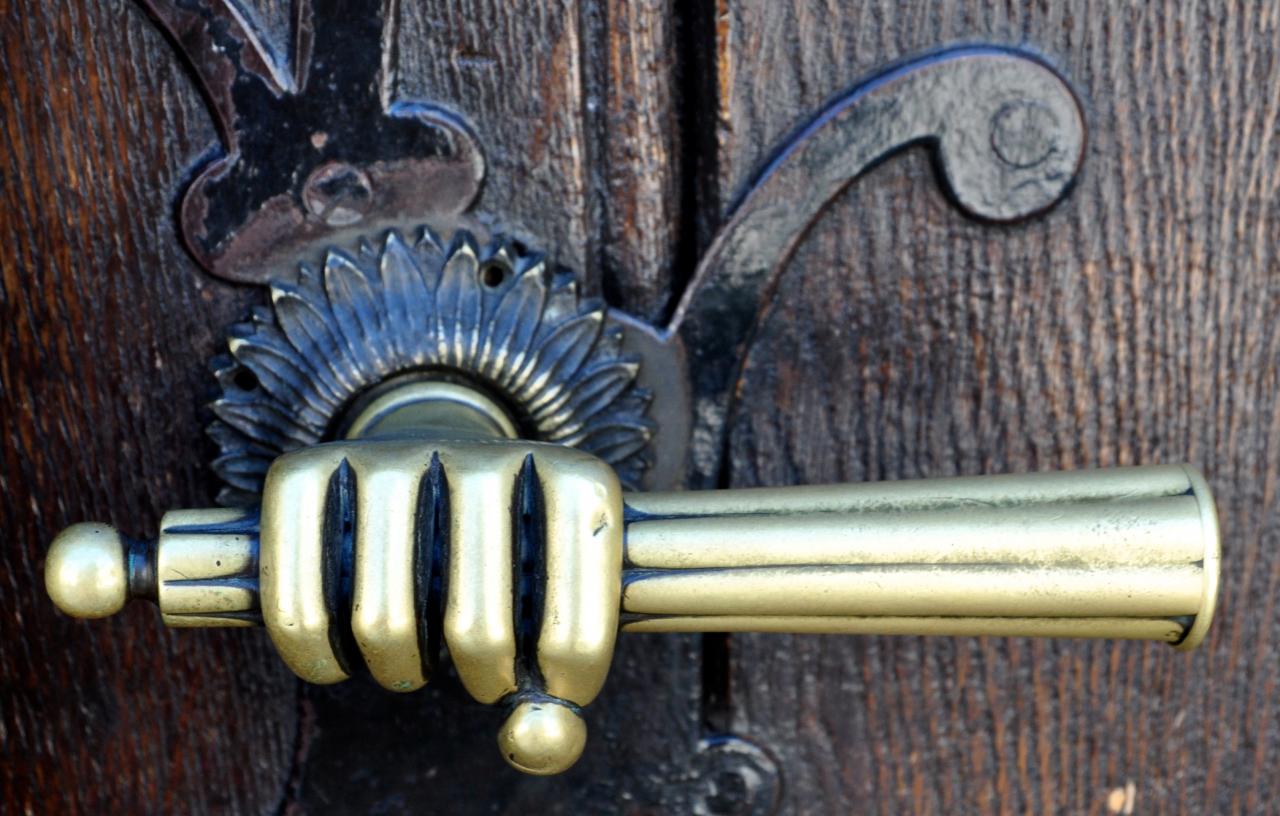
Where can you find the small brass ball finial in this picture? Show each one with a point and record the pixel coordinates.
(86, 573)
(542, 737)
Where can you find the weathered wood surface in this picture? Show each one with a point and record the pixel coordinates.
(1134, 324)
(106, 326)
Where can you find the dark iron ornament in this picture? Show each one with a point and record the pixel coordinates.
(314, 140)
(1008, 137)
(495, 315)
(319, 151)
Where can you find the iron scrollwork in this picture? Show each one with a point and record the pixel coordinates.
(320, 162)
(1008, 136)
(315, 149)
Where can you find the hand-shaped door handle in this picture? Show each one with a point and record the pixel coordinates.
(435, 526)
(526, 558)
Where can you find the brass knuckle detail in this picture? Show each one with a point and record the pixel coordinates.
(509, 553)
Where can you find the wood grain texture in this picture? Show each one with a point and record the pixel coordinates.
(1136, 323)
(636, 69)
(573, 104)
(105, 329)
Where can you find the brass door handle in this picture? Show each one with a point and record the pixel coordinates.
(435, 522)
(526, 558)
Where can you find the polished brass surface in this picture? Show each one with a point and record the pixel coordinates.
(86, 571)
(297, 522)
(525, 559)
(207, 568)
(1131, 552)
(954, 626)
(417, 402)
(542, 737)
(583, 552)
(582, 503)
(384, 609)
(381, 493)
(479, 619)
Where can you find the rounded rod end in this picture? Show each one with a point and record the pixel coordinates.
(92, 570)
(542, 737)
(1212, 560)
(86, 573)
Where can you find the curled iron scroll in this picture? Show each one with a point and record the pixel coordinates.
(1008, 136)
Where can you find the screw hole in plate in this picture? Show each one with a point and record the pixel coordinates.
(494, 274)
(245, 379)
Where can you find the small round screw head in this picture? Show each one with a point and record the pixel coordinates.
(86, 573)
(1024, 133)
(542, 737)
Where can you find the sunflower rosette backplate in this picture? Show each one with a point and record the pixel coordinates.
(495, 315)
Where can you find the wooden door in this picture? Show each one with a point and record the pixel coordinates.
(1134, 323)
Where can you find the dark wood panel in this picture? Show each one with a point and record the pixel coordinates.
(1134, 324)
(106, 328)
(636, 66)
(573, 103)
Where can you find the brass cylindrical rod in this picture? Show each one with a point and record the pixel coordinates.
(1124, 553)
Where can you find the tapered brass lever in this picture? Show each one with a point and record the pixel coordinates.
(525, 559)
(1122, 553)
